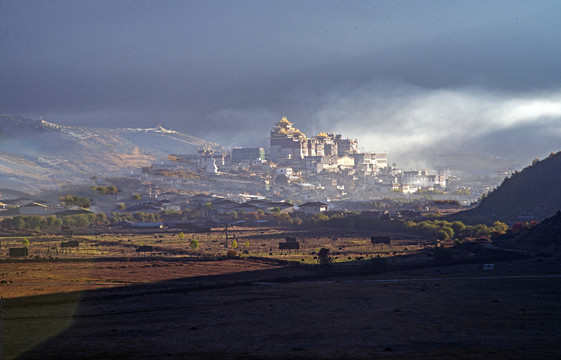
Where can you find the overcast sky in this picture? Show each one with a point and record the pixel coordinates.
(401, 76)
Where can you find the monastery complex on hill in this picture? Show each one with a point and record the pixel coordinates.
(326, 151)
(326, 166)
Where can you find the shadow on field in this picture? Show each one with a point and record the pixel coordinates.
(45, 326)
(229, 316)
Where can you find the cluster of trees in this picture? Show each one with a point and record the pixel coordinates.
(172, 173)
(523, 227)
(30, 222)
(395, 202)
(351, 221)
(284, 219)
(76, 200)
(275, 216)
(106, 190)
(462, 192)
(85, 219)
(438, 229)
(37, 222)
(430, 192)
(446, 202)
(445, 230)
(168, 215)
(136, 217)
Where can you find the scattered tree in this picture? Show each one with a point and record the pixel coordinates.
(500, 227)
(106, 190)
(76, 200)
(101, 218)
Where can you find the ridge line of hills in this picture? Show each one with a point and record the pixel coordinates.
(36, 154)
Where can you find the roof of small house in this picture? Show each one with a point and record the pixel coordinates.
(314, 204)
(73, 212)
(35, 204)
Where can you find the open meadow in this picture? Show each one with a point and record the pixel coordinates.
(113, 259)
(105, 300)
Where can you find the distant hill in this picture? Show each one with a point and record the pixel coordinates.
(531, 194)
(546, 233)
(38, 154)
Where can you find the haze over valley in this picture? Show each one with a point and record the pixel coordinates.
(280, 179)
(409, 79)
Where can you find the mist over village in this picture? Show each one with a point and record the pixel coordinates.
(272, 180)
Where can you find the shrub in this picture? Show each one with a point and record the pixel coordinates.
(458, 227)
(500, 227)
(76, 200)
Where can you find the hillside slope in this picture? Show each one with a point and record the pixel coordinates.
(37, 154)
(546, 233)
(531, 194)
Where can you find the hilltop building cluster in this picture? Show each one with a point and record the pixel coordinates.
(324, 152)
(313, 174)
(326, 167)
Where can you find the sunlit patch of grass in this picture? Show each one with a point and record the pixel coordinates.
(32, 320)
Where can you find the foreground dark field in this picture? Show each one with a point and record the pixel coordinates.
(231, 317)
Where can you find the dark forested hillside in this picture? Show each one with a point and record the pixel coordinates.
(531, 194)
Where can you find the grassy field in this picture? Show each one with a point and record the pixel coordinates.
(105, 260)
(435, 313)
(250, 241)
(105, 300)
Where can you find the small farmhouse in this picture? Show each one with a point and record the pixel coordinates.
(314, 207)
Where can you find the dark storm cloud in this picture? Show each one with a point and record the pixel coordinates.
(227, 71)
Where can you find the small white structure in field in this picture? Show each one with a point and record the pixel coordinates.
(489, 267)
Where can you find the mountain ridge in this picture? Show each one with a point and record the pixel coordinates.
(36, 154)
